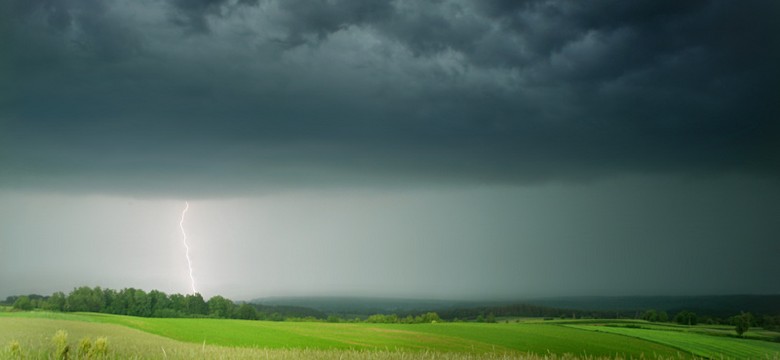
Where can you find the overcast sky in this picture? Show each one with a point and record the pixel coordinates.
(442, 149)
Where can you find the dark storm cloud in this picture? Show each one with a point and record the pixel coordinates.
(151, 96)
(194, 14)
(322, 18)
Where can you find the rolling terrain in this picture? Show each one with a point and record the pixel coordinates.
(161, 338)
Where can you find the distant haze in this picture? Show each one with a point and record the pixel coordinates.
(457, 149)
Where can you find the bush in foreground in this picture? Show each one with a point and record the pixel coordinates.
(60, 341)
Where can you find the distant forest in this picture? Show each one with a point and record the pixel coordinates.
(155, 303)
(137, 302)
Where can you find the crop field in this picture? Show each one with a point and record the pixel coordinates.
(131, 337)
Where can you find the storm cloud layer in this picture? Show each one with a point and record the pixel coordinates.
(446, 148)
(223, 96)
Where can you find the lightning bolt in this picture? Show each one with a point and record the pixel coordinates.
(187, 247)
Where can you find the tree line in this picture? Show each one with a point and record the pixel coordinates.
(155, 303)
(741, 322)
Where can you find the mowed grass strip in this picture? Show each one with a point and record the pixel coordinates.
(697, 344)
(474, 338)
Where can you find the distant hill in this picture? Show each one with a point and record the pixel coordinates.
(278, 312)
(714, 305)
(602, 306)
(361, 306)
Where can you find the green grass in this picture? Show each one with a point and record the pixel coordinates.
(715, 330)
(35, 334)
(695, 343)
(35, 338)
(441, 337)
(219, 338)
(706, 329)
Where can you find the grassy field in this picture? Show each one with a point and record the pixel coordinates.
(217, 338)
(696, 343)
(705, 329)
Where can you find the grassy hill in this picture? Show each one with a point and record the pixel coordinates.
(160, 338)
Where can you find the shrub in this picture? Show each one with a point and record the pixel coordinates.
(491, 318)
(85, 346)
(15, 349)
(62, 348)
(100, 348)
(430, 317)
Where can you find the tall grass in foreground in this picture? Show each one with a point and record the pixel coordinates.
(215, 352)
(61, 349)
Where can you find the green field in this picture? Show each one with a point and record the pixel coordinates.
(219, 338)
(696, 343)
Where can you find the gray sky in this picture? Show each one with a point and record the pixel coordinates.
(449, 149)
